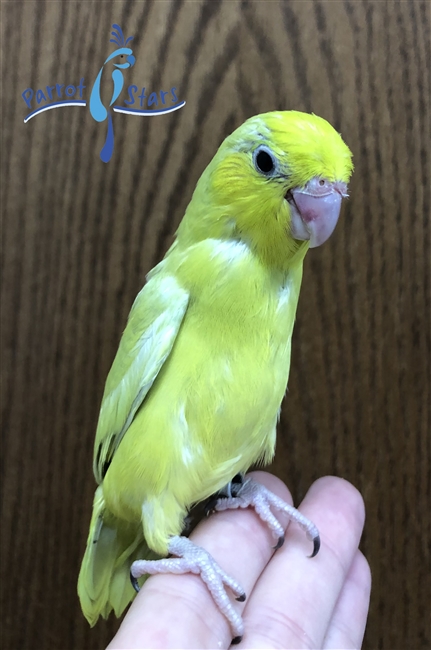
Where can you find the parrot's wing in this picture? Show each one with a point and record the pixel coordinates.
(152, 327)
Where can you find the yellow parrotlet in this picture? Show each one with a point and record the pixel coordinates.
(194, 393)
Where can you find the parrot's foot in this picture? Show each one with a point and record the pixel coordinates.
(250, 493)
(194, 559)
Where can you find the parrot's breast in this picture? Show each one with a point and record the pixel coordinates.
(213, 408)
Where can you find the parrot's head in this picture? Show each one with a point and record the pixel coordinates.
(277, 183)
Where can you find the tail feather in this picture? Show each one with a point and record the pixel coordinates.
(104, 580)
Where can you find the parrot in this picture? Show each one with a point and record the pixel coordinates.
(99, 112)
(193, 396)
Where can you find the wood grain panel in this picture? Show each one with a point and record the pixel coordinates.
(79, 236)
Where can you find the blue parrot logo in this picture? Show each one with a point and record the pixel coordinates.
(125, 59)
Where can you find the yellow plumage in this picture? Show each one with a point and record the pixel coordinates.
(194, 392)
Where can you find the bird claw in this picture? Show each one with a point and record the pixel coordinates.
(135, 583)
(191, 558)
(316, 545)
(251, 493)
(230, 490)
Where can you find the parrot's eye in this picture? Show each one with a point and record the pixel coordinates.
(264, 160)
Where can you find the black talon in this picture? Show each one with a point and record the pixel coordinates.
(241, 599)
(135, 583)
(236, 484)
(236, 640)
(210, 506)
(316, 546)
(279, 543)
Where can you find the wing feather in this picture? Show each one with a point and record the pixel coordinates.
(152, 327)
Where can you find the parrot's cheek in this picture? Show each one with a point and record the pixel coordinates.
(314, 218)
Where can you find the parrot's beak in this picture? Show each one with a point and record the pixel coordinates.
(315, 209)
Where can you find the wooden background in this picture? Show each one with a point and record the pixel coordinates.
(79, 237)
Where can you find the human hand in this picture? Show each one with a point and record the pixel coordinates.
(293, 601)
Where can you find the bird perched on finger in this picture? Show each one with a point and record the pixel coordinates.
(194, 393)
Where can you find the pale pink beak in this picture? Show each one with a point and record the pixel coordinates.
(315, 209)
